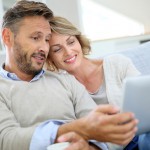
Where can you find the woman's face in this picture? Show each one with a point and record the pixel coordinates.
(65, 51)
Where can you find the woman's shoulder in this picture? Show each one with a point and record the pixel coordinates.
(97, 61)
(112, 58)
(116, 58)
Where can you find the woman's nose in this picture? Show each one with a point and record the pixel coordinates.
(67, 50)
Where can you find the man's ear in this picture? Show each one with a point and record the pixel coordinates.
(7, 37)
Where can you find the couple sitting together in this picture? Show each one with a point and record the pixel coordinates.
(50, 92)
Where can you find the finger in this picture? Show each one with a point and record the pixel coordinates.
(80, 145)
(120, 138)
(121, 118)
(126, 117)
(107, 109)
(116, 127)
(116, 131)
(123, 139)
(69, 137)
(115, 119)
(128, 126)
(123, 134)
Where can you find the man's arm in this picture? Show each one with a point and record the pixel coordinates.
(104, 124)
(45, 134)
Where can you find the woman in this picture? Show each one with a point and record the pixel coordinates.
(103, 78)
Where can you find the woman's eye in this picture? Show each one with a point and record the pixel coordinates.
(56, 50)
(71, 42)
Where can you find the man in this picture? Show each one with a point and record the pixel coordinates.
(38, 106)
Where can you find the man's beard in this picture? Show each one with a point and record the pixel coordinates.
(23, 61)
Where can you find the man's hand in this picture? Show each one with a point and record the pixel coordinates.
(104, 124)
(76, 142)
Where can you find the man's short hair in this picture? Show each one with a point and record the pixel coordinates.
(22, 9)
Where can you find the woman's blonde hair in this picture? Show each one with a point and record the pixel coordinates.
(61, 25)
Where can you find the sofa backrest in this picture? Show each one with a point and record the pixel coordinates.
(2, 58)
(140, 57)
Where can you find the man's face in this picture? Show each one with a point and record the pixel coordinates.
(31, 45)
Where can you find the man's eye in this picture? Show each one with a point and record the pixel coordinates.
(35, 38)
(47, 40)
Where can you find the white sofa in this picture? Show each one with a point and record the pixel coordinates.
(139, 55)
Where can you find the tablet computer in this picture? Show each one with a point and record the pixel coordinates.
(136, 99)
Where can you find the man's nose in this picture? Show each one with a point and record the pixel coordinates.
(44, 46)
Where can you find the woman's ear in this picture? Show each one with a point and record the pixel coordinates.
(7, 37)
